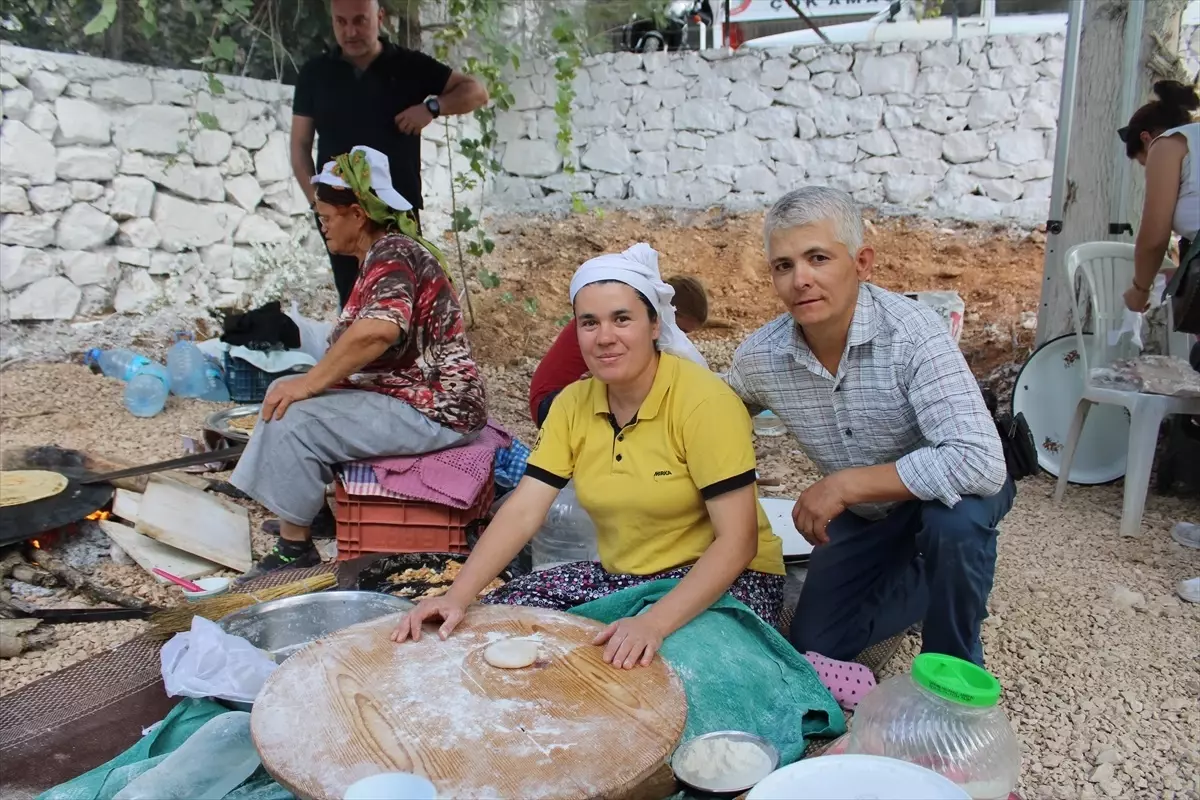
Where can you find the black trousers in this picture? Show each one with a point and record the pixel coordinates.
(345, 268)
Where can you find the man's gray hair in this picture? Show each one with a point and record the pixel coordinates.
(810, 204)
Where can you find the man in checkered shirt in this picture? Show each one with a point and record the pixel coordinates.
(872, 385)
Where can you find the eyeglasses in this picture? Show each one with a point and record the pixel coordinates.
(1123, 134)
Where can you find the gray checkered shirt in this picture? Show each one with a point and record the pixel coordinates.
(903, 394)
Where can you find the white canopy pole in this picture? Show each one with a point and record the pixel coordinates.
(1066, 114)
(1118, 218)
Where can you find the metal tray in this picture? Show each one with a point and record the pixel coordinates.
(281, 627)
(218, 422)
(376, 576)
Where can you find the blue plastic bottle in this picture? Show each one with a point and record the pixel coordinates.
(215, 391)
(187, 370)
(146, 393)
(120, 363)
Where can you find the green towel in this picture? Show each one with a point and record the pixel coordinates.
(185, 719)
(737, 671)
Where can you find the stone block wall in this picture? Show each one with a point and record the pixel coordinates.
(957, 129)
(114, 196)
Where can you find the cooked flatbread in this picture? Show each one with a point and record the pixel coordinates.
(26, 485)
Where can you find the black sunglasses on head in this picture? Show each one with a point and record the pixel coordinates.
(1123, 134)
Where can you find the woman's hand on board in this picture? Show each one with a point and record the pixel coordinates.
(630, 642)
(445, 608)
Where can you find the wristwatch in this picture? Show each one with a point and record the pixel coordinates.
(434, 107)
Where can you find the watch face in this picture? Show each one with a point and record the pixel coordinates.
(434, 106)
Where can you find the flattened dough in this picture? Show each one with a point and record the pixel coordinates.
(27, 485)
(511, 653)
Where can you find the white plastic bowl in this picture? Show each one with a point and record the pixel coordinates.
(211, 586)
(852, 777)
(390, 786)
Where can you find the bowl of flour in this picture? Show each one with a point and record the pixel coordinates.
(724, 762)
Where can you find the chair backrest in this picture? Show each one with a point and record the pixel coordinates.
(1107, 269)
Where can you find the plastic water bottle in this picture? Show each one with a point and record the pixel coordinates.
(187, 368)
(567, 535)
(214, 761)
(120, 363)
(146, 393)
(215, 390)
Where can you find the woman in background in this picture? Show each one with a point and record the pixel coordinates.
(1164, 137)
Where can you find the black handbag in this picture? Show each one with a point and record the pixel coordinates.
(1184, 289)
(1020, 451)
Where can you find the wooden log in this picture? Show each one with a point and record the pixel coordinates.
(81, 583)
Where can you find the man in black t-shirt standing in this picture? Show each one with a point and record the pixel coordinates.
(368, 91)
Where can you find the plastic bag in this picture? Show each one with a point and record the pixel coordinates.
(314, 335)
(214, 761)
(208, 662)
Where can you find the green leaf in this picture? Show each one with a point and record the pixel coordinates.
(564, 320)
(215, 86)
(223, 49)
(507, 297)
(488, 280)
(531, 306)
(207, 121)
(103, 20)
(488, 245)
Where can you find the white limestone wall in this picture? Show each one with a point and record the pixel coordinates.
(959, 129)
(115, 197)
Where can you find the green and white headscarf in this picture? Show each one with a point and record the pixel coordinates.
(365, 172)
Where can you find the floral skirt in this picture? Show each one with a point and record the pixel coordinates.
(569, 585)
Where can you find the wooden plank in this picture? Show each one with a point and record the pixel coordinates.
(196, 522)
(125, 505)
(149, 553)
(570, 727)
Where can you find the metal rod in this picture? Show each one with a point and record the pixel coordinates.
(1066, 116)
(1135, 14)
(225, 454)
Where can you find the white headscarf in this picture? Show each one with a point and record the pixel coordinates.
(637, 268)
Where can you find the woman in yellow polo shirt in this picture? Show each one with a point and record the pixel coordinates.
(662, 457)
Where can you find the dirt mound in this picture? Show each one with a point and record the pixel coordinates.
(522, 299)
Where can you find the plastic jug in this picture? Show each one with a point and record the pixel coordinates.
(567, 535)
(120, 363)
(146, 393)
(187, 368)
(944, 716)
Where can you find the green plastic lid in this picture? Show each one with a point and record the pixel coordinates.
(956, 680)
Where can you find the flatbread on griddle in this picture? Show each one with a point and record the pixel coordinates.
(27, 485)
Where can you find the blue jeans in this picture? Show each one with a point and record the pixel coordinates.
(923, 562)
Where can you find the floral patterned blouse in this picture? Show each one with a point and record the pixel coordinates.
(430, 365)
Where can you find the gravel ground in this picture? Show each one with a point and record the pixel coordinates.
(1099, 660)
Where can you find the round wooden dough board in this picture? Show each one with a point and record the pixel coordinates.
(570, 726)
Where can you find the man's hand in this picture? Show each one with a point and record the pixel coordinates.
(1136, 299)
(282, 394)
(817, 506)
(413, 119)
(632, 641)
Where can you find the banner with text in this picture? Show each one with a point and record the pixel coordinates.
(761, 10)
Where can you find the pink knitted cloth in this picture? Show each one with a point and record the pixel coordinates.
(846, 681)
(453, 477)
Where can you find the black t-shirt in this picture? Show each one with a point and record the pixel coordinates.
(351, 108)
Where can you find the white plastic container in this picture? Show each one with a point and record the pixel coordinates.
(854, 778)
(767, 424)
(945, 717)
(391, 786)
(211, 586)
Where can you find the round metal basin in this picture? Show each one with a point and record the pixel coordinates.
(281, 627)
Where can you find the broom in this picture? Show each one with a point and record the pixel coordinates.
(179, 619)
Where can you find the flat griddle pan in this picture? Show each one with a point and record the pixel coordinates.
(72, 504)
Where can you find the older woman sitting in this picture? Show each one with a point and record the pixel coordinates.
(398, 378)
(661, 454)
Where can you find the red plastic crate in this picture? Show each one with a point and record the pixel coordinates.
(368, 525)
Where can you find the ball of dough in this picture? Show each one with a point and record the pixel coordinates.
(511, 653)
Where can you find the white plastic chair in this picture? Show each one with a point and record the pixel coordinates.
(1107, 271)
